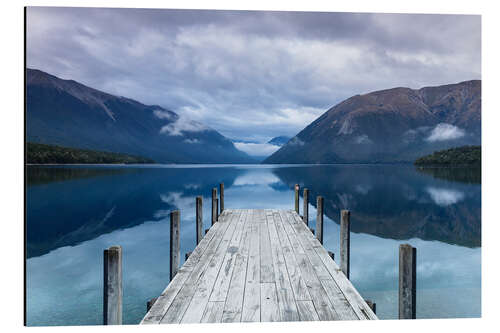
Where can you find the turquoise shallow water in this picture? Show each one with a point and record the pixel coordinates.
(73, 213)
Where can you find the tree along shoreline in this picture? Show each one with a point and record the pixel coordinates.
(459, 156)
(44, 154)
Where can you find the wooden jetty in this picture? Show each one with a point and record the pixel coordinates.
(258, 265)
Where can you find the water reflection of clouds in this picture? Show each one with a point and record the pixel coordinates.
(256, 178)
(74, 273)
(363, 188)
(185, 203)
(445, 197)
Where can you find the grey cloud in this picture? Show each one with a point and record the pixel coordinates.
(250, 74)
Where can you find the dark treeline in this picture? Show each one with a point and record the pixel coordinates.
(38, 153)
(466, 155)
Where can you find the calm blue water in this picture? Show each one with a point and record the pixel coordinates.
(73, 213)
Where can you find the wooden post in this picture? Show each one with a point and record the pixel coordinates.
(199, 219)
(306, 206)
(319, 219)
(150, 303)
(214, 205)
(113, 291)
(372, 305)
(221, 195)
(345, 241)
(297, 189)
(407, 281)
(175, 217)
(216, 209)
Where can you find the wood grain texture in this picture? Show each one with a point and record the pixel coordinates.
(407, 281)
(258, 265)
(345, 241)
(199, 219)
(175, 249)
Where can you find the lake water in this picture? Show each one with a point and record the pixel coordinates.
(73, 213)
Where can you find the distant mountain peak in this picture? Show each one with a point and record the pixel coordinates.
(391, 125)
(70, 114)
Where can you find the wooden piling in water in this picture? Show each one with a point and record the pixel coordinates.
(297, 189)
(407, 281)
(372, 305)
(150, 303)
(199, 219)
(345, 241)
(175, 217)
(113, 291)
(306, 206)
(221, 195)
(214, 205)
(216, 209)
(319, 219)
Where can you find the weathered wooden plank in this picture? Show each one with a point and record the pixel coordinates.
(357, 303)
(221, 285)
(340, 303)
(298, 285)
(198, 251)
(181, 300)
(266, 260)
(269, 303)
(302, 235)
(234, 301)
(196, 307)
(321, 301)
(158, 310)
(221, 281)
(307, 312)
(286, 301)
(213, 312)
(251, 299)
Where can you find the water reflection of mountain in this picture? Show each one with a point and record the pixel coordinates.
(394, 202)
(470, 175)
(71, 205)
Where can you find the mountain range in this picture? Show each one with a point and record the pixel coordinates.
(70, 114)
(387, 126)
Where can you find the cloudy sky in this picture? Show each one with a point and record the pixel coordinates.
(251, 75)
